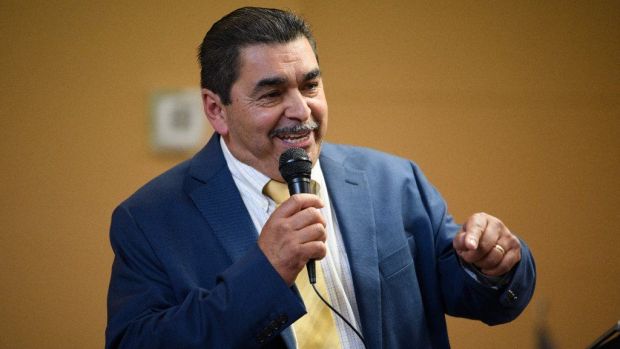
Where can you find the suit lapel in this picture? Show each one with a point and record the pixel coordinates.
(215, 194)
(350, 195)
(213, 190)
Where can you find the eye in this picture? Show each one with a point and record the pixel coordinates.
(311, 86)
(271, 95)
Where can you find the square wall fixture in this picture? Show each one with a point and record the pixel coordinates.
(178, 123)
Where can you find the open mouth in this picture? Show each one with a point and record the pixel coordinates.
(294, 138)
(296, 134)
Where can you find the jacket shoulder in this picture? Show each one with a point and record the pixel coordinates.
(366, 159)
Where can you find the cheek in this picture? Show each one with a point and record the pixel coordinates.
(266, 120)
(256, 131)
(319, 112)
(249, 121)
(318, 106)
(260, 127)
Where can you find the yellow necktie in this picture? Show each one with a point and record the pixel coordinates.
(317, 329)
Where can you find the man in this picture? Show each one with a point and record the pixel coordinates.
(205, 259)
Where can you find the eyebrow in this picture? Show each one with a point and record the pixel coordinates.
(279, 81)
(313, 74)
(272, 81)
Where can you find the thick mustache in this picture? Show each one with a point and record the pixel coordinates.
(307, 127)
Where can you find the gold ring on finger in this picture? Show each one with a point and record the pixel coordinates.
(499, 249)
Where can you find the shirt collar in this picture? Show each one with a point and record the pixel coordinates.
(257, 180)
(243, 172)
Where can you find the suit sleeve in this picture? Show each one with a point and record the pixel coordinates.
(462, 294)
(248, 306)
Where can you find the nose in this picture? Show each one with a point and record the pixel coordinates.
(297, 107)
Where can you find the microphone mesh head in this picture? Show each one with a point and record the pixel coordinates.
(294, 162)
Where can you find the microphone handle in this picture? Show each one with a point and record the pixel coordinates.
(311, 271)
(299, 185)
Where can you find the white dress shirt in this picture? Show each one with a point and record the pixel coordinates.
(336, 269)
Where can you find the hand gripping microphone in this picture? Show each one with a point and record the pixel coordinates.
(295, 168)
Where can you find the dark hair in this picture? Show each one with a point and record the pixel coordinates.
(219, 52)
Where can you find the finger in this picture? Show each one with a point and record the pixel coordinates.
(297, 203)
(485, 248)
(511, 258)
(492, 259)
(512, 247)
(459, 241)
(495, 242)
(486, 234)
(307, 216)
(314, 232)
(471, 257)
(479, 255)
(509, 241)
(313, 247)
(490, 235)
(313, 250)
(473, 228)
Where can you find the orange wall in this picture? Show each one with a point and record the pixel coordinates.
(512, 109)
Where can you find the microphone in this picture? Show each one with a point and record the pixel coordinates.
(295, 167)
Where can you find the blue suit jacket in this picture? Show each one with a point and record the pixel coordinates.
(188, 272)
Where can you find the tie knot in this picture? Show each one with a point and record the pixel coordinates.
(278, 191)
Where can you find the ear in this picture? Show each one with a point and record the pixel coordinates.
(215, 111)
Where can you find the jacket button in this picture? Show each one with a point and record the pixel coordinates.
(512, 296)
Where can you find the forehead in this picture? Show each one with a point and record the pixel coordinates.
(291, 60)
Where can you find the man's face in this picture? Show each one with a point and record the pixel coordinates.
(277, 103)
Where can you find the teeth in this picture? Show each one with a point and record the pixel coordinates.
(294, 138)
